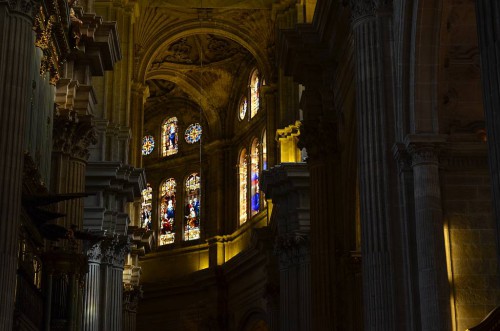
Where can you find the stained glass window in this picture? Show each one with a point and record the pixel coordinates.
(254, 175)
(148, 144)
(243, 108)
(146, 206)
(243, 178)
(254, 93)
(192, 208)
(264, 162)
(167, 212)
(169, 137)
(193, 133)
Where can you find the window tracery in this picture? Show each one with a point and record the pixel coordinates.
(148, 145)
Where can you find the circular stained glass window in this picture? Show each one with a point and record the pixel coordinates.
(148, 144)
(193, 133)
(243, 108)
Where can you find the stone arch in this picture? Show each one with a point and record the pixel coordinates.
(254, 320)
(169, 35)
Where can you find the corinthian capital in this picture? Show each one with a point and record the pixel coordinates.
(366, 8)
(25, 7)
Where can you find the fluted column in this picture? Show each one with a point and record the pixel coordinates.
(131, 298)
(92, 291)
(374, 141)
(111, 307)
(16, 40)
(432, 272)
(488, 16)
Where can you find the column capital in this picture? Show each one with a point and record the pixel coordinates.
(114, 250)
(361, 9)
(27, 8)
(424, 148)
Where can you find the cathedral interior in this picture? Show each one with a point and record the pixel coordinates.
(249, 165)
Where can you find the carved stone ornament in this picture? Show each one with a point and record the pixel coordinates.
(114, 250)
(292, 248)
(423, 154)
(73, 135)
(365, 8)
(25, 7)
(94, 253)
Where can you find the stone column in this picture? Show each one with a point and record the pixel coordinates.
(16, 38)
(373, 112)
(488, 16)
(131, 298)
(140, 93)
(270, 102)
(431, 253)
(92, 291)
(288, 186)
(319, 134)
(111, 304)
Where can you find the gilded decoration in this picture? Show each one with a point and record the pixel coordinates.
(50, 27)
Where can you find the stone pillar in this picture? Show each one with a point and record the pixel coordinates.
(288, 186)
(140, 93)
(488, 16)
(131, 298)
(373, 112)
(431, 253)
(270, 103)
(111, 304)
(319, 134)
(16, 38)
(92, 291)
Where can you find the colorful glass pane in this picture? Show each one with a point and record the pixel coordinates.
(193, 133)
(254, 93)
(167, 212)
(264, 163)
(148, 144)
(254, 175)
(192, 208)
(243, 108)
(146, 206)
(243, 178)
(169, 137)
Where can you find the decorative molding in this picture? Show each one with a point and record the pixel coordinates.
(24, 7)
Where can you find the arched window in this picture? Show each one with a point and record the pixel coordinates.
(243, 108)
(254, 175)
(146, 205)
(264, 151)
(167, 212)
(243, 179)
(192, 207)
(148, 144)
(169, 137)
(264, 162)
(254, 93)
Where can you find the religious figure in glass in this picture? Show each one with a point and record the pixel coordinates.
(254, 93)
(167, 212)
(192, 208)
(264, 163)
(254, 175)
(169, 137)
(146, 206)
(243, 178)
(148, 144)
